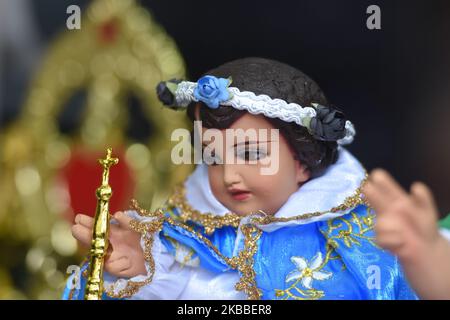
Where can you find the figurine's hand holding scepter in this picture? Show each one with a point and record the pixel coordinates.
(115, 247)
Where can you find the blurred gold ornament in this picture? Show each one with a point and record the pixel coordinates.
(119, 52)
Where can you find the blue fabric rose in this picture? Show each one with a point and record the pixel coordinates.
(212, 91)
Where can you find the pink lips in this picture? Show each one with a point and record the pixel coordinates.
(239, 195)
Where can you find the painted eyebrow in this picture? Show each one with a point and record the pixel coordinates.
(205, 144)
(250, 142)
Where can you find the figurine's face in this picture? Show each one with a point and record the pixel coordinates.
(241, 187)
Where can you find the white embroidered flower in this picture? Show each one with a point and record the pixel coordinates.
(307, 272)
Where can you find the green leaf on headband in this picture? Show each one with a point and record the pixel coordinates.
(306, 122)
(172, 87)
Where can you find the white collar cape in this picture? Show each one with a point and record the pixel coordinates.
(340, 182)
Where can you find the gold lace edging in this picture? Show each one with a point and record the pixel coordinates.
(210, 221)
(243, 262)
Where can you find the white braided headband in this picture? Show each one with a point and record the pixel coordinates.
(185, 92)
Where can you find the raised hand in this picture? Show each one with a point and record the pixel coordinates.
(406, 222)
(125, 257)
(407, 226)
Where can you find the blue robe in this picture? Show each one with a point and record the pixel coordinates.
(329, 259)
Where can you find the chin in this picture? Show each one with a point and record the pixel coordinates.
(242, 209)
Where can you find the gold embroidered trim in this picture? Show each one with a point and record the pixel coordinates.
(211, 221)
(171, 221)
(350, 235)
(244, 262)
(208, 220)
(146, 213)
(201, 237)
(296, 293)
(349, 203)
(347, 232)
(187, 259)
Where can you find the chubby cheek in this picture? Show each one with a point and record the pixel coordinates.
(216, 182)
(271, 193)
(264, 186)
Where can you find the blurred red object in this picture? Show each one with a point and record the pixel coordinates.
(108, 31)
(83, 175)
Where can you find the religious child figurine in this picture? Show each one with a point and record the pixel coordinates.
(273, 211)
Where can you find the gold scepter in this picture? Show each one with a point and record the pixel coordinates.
(99, 244)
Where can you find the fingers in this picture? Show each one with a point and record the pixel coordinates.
(120, 234)
(393, 234)
(114, 255)
(386, 185)
(119, 266)
(385, 181)
(404, 211)
(389, 224)
(84, 220)
(423, 196)
(88, 221)
(82, 234)
(115, 235)
(375, 197)
(392, 242)
(426, 213)
(385, 195)
(123, 220)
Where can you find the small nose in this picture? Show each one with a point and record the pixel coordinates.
(230, 175)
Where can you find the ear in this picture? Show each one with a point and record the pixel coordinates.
(302, 173)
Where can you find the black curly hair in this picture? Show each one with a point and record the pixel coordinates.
(277, 80)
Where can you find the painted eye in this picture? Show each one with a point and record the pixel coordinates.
(251, 154)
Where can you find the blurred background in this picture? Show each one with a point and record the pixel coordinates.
(65, 95)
